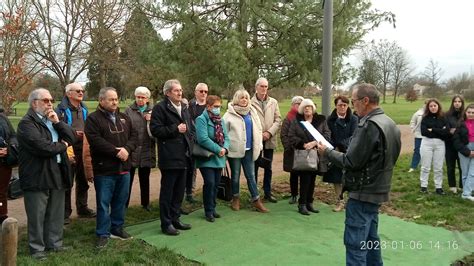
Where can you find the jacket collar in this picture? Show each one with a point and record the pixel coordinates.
(376, 111)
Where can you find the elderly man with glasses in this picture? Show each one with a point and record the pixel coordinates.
(111, 139)
(44, 172)
(73, 111)
(197, 105)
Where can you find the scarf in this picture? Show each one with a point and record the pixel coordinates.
(242, 110)
(218, 130)
(292, 114)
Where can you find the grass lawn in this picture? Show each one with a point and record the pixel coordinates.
(445, 211)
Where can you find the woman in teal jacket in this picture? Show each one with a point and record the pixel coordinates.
(211, 134)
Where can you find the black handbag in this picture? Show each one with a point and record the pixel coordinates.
(263, 162)
(199, 151)
(14, 187)
(12, 157)
(224, 189)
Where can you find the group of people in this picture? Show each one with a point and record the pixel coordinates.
(441, 137)
(108, 146)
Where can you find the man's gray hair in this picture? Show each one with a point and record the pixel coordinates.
(368, 90)
(142, 91)
(104, 91)
(169, 85)
(71, 86)
(35, 94)
(259, 80)
(199, 85)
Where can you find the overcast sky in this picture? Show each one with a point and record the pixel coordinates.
(442, 30)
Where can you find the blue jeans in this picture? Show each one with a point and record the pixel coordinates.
(249, 171)
(467, 167)
(111, 199)
(360, 233)
(267, 173)
(416, 154)
(212, 178)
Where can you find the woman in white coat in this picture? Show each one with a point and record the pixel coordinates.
(245, 134)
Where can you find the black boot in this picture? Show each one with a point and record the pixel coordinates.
(310, 208)
(302, 209)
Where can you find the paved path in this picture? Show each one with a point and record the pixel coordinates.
(16, 207)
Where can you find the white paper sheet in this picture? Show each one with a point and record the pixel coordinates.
(315, 133)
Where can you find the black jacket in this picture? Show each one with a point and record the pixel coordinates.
(38, 167)
(105, 137)
(298, 136)
(342, 129)
(439, 126)
(145, 153)
(7, 133)
(461, 139)
(174, 148)
(371, 155)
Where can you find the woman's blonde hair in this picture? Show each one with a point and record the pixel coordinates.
(239, 94)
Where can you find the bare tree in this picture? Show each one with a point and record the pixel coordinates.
(460, 83)
(15, 43)
(61, 38)
(433, 74)
(383, 53)
(401, 70)
(105, 20)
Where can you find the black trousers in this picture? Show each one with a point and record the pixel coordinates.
(190, 178)
(144, 179)
(81, 188)
(294, 183)
(452, 157)
(171, 195)
(307, 184)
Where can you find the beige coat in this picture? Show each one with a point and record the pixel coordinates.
(235, 125)
(270, 119)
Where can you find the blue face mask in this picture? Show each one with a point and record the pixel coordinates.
(216, 111)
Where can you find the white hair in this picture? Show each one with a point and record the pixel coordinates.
(35, 94)
(304, 103)
(142, 91)
(259, 80)
(296, 99)
(199, 85)
(71, 86)
(169, 85)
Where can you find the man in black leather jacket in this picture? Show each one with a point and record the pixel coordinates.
(368, 167)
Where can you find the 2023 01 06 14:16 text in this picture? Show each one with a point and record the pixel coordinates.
(410, 244)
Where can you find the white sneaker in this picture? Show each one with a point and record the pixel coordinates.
(411, 170)
(454, 190)
(471, 198)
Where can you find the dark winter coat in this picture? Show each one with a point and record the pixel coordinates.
(38, 167)
(174, 148)
(288, 151)
(144, 154)
(341, 133)
(439, 126)
(461, 140)
(105, 137)
(66, 114)
(299, 135)
(7, 132)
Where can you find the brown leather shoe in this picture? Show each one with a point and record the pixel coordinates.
(235, 204)
(259, 206)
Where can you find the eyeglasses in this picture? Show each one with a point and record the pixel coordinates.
(203, 91)
(354, 100)
(79, 91)
(45, 100)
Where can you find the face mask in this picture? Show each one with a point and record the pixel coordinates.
(216, 111)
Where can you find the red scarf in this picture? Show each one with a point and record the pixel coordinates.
(292, 113)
